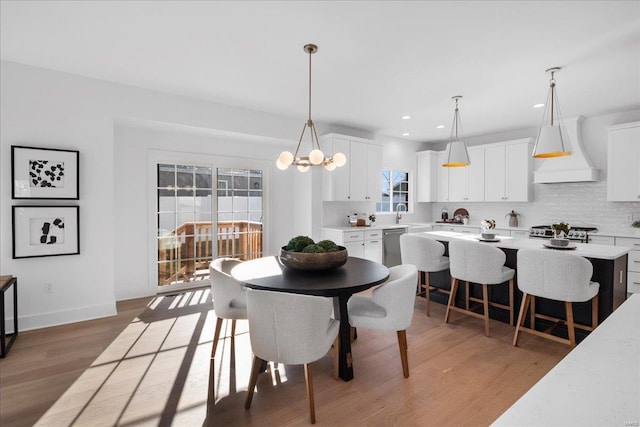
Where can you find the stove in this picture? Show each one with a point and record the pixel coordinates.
(576, 233)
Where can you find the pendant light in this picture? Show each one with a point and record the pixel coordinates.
(552, 138)
(456, 154)
(316, 157)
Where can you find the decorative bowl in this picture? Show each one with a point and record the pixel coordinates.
(314, 261)
(488, 236)
(559, 242)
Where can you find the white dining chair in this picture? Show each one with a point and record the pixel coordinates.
(229, 297)
(291, 329)
(428, 256)
(558, 276)
(475, 262)
(389, 308)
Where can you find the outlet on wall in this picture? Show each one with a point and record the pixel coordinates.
(628, 217)
(48, 288)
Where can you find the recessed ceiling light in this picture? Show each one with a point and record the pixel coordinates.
(406, 117)
(406, 134)
(440, 127)
(538, 106)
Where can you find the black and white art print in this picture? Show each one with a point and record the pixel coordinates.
(44, 173)
(45, 231)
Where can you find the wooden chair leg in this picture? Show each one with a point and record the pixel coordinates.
(309, 380)
(452, 297)
(402, 343)
(570, 328)
(216, 337)
(233, 328)
(336, 358)
(485, 303)
(532, 312)
(511, 307)
(427, 291)
(523, 310)
(466, 292)
(594, 311)
(255, 370)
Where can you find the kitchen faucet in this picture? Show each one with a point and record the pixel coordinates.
(398, 215)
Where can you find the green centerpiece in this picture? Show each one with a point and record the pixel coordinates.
(302, 253)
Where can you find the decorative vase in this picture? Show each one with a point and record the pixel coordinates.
(513, 221)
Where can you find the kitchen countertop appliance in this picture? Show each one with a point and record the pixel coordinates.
(577, 233)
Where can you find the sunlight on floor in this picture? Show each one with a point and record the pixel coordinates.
(136, 379)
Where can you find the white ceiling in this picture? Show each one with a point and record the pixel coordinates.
(377, 60)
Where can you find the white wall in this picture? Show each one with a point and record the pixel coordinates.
(45, 108)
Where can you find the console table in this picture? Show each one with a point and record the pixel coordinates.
(7, 282)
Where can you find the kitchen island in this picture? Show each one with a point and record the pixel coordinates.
(609, 269)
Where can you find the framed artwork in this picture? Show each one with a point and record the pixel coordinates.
(44, 173)
(45, 231)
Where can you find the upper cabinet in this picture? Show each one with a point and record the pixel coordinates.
(498, 172)
(427, 182)
(508, 168)
(623, 181)
(360, 178)
(466, 184)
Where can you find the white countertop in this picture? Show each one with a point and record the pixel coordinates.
(597, 384)
(587, 250)
(361, 228)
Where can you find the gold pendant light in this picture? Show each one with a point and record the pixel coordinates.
(456, 154)
(316, 157)
(552, 138)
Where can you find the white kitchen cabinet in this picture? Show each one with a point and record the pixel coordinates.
(359, 179)
(633, 266)
(359, 243)
(427, 176)
(466, 184)
(602, 240)
(508, 168)
(520, 233)
(623, 181)
(442, 178)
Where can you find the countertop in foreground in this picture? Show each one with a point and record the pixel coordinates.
(597, 384)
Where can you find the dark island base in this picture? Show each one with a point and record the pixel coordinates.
(611, 274)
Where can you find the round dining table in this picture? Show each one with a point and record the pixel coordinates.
(356, 275)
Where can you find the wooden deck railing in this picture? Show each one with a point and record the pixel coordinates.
(185, 254)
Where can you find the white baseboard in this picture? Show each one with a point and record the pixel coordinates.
(45, 320)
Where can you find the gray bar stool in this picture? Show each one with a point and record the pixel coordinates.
(478, 263)
(558, 276)
(427, 255)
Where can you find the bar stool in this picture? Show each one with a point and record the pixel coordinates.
(558, 276)
(478, 263)
(427, 255)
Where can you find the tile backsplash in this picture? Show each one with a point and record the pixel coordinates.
(578, 203)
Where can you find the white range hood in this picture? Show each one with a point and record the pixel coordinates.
(574, 168)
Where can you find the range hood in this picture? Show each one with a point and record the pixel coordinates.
(574, 168)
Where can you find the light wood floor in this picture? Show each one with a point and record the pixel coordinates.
(150, 366)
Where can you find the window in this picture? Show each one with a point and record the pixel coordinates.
(395, 191)
(190, 234)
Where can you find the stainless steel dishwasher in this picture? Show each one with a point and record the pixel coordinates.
(391, 246)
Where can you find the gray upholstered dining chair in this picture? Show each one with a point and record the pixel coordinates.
(290, 329)
(229, 296)
(558, 276)
(475, 262)
(389, 308)
(428, 256)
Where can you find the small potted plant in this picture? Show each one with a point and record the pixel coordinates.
(636, 225)
(513, 218)
(372, 218)
(561, 231)
(486, 225)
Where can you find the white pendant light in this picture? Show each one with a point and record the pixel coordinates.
(552, 137)
(316, 157)
(456, 154)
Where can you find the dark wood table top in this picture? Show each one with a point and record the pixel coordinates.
(269, 273)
